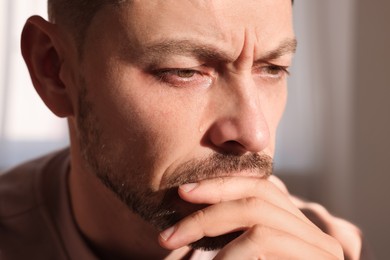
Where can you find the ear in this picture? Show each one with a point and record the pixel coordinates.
(42, 53)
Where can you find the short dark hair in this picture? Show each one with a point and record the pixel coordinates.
(76, 15)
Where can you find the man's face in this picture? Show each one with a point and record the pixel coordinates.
(171, 92)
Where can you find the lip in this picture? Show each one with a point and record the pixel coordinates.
(246, 174)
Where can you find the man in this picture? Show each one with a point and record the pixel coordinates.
(172, 109)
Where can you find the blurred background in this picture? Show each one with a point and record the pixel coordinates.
(333, 143)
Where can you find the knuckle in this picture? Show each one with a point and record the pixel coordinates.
(258, 232)
(270, 187)
(264, 236)
(257, 239)
(338, 249)
(221, 182)
(277, 183)
(253, 202)
(199, 216)
(264, 185)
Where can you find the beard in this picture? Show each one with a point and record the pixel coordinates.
(162, 208)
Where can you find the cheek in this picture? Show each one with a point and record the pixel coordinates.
(144, 121)
(149, 124)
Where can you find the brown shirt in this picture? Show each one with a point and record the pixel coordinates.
(35, 217)
(36, 220)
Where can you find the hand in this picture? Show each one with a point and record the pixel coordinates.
(274, 228)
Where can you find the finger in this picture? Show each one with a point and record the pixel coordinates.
(278, 183)
(218, 219)
(217, 190)
(267, 243)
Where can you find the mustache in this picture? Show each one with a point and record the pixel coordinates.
(218, 165)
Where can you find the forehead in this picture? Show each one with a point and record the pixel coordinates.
(224, 23)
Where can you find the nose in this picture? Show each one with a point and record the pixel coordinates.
(240, 125)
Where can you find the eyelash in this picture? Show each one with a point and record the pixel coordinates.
(164, 75)
(281, 71)
(173, 77)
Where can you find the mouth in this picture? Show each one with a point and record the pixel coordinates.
(217, 166)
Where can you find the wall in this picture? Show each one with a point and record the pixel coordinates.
(347, 62)
(21, 137)
(371, 189)
(324, 74)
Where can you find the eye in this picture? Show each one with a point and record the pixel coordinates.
(183, 77)
(273, 71)
(177, 74)
(185, 73)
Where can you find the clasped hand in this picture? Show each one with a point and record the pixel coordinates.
(274, 228)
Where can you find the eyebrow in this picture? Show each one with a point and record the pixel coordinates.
(160, 50)
(288, 46)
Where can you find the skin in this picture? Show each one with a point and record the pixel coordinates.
(157, 101)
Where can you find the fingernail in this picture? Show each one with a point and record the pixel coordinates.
(166, 234)
(188, 187)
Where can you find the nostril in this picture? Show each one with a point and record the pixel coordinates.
(233, 147)
(232, 143)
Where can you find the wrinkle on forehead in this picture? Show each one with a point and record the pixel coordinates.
(176, 17)
(238, 29)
